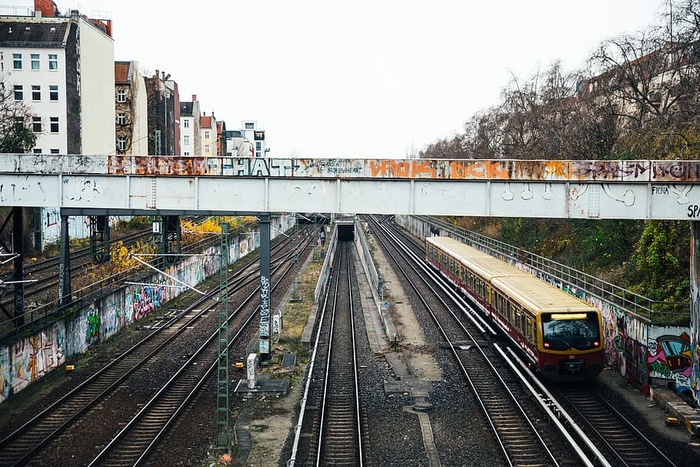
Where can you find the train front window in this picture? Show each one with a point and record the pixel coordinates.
(566, 331)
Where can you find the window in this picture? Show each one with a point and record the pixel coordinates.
(36, 92)
(206, 149)
(36, 124)
(206, 134)
(186, 139)
(249, 126)
(55, 151)
(17, 61)
(258, 147)
(53, 92)
(121, 118)
(36, 64)
(121, 95)
(53, 61)
(187, 123)
(187, 153)
(36, 150)
(121, 143)
(53, 126)
(19, 92)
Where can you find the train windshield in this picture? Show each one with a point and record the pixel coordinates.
(566, 331)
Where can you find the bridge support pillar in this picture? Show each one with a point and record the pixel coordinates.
(695, 302)
(265, 288)
(64, 286)
(18, 263)
(99, 239)
(171, 239)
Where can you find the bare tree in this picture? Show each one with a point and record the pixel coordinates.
(16, 135)
(650, 82)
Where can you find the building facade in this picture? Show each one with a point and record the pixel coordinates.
(190, 129)
(163, 115)
(61, 68)
(208, 138)
(131, 103)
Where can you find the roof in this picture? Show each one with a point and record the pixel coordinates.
(25, 33)
(206, 121)
(121, 72)
(186, 108)
(533, 293)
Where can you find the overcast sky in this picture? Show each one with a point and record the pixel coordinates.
(366, 78)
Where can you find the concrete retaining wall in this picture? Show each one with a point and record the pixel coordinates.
(30, 358)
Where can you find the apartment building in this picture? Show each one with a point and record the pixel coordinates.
(256, 135)
(131, 104)
(190, 127)
(163, 115)
(62, 68)
(209, 133)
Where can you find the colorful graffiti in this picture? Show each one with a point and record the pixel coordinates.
(462, 169)
(31, 358)
(92, 330)
(670, 359)
(145, 299)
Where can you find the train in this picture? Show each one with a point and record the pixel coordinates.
(560, 335)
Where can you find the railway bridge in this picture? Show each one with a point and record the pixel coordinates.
(169, 186)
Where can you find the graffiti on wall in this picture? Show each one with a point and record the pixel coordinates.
(92, 328)
(670, 358)
(30, 358)
(145, 299)
(5, 374)
(459, 169)
(113, 315)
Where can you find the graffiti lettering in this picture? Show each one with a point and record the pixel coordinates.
(264, 306)
(145, 300)
(402, 169)
(693, 211)
(676, 170)
(610, 170)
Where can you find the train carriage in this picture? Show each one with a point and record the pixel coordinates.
(559, 333)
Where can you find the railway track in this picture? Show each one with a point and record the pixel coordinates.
(510, 422)
(623, 442)
(23, 445)
(599, 433)
(332, 424)
(41, 294)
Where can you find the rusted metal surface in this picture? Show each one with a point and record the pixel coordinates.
(639, 171)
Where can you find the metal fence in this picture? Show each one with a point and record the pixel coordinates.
(647, 309)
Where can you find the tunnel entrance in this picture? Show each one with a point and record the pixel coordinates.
(346, 230)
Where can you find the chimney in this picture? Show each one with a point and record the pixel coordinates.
(46, 7)
(194, 97)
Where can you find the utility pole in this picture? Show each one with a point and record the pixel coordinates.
(223, 440)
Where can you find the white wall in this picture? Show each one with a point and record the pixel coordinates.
(139, 141)
(97, 90)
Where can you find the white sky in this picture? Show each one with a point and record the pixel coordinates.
(366, 78)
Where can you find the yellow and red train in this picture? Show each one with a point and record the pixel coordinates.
(560, 334)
